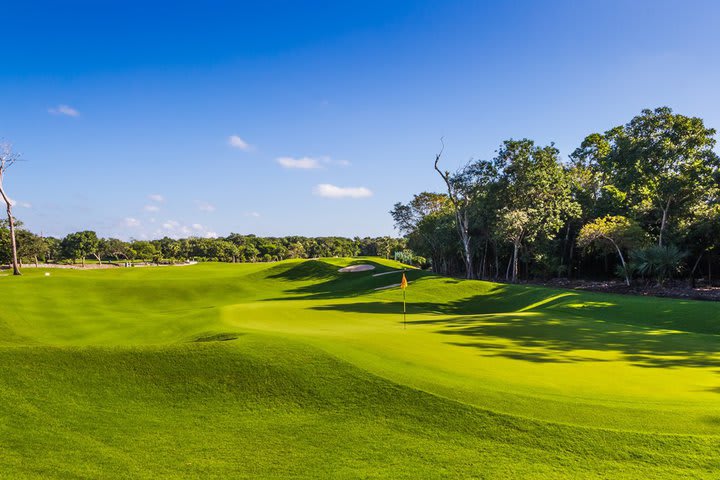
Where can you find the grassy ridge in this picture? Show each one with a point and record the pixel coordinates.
(293, 369)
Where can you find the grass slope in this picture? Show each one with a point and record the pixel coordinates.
(292, 369)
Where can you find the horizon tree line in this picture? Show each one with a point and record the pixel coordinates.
(76, 247)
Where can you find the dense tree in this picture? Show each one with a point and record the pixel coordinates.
(424, 221)
(702, 234)
(620, 232)
(113, 248)
(535, 190)
(80, 245)
(656, 176)
(658, 164)
(144, 250)
(31, 246)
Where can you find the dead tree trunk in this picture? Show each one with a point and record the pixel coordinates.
(11, 224)
(460, 205)
(7, 158)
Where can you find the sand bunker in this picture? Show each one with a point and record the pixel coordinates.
(356, 268)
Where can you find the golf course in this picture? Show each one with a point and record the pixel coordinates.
(294, 369)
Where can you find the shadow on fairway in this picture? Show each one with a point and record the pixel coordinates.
(331, 284)
(554, 328)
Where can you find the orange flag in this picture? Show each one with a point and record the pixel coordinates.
(403, 282)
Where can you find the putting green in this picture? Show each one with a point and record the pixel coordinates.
(293, 368)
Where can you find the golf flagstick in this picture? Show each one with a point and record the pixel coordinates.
(403, 286)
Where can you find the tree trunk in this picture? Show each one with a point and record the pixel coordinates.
(622, 262)
(710, 271)
(463, 227)
(461, 216)
(515, 263)
(98, 258)
(11, 224)
(663, 222)
(497, 261)
(484, 260)
(692, 273)
(37, 264)
(507, 270)
(570, 260)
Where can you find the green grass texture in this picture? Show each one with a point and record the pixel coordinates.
(294, 370)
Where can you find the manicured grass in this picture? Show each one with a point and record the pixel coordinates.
(292, 369)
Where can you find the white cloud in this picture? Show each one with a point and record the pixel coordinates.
(156, 197)
(176, 229)
(64, 110)
(206, 207)
(304, 163)
(20, 204)
(308, 163)
(332, 191)
(253, 214)
(151, 208)
(131, 222)
(237, 142)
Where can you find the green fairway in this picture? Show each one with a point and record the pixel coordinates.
(293, 369)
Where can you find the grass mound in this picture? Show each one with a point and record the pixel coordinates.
(294, 369)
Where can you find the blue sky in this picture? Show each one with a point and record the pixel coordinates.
(277, 118)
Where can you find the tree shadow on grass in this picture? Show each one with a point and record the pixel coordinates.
(332, 284)
(546, 332)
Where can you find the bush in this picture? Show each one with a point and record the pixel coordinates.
(405, 256)
(659, 263)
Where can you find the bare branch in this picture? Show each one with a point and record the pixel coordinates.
(7, 156)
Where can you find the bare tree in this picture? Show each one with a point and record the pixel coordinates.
(460, 192)
(7, 159)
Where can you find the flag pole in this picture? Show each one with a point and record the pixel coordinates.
(403, 286)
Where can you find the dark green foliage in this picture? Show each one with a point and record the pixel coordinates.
(658, 262)
(659, 173)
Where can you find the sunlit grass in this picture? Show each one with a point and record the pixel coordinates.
(293, 369)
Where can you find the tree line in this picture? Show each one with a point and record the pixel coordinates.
(78, 246)
(639, 201)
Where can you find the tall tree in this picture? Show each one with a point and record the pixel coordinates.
(658, 164)
(7, 159)
(620, 232)
(80, 245)
(463, 187)
(535, 190)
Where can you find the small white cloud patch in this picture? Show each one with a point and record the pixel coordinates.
(131, 222)
(303, 163)
(236, 142)
(206, 207)
(174, 229)
(156, 197)
(64, 110)
(20, 204)
(331, 191)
